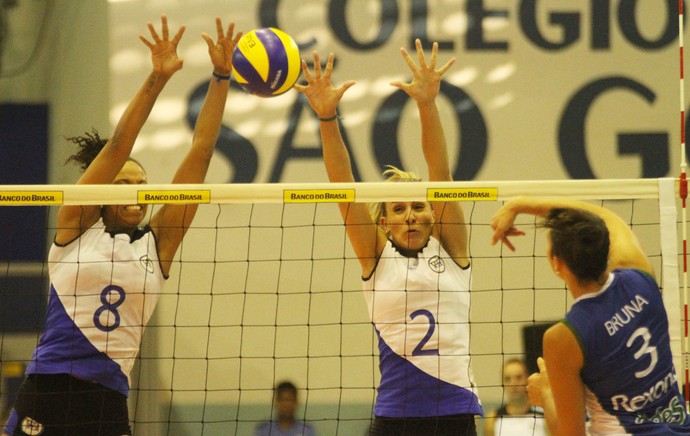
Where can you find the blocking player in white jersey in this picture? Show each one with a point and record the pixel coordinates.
(106, 271)
(415, 269)
(610, 359)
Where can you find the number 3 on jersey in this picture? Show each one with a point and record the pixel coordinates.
(108, 311)
(643, 332)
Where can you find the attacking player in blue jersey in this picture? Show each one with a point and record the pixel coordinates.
(415, 270)
(610, 359)
(106, 271)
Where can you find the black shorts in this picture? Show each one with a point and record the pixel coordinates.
(451, 425)
(59, 404)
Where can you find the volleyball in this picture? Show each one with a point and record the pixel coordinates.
(266, 62)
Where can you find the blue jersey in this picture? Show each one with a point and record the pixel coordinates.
(420, 309)
(628, 373)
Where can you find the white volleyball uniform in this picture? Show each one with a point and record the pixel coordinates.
(420, 309)
(103, 291)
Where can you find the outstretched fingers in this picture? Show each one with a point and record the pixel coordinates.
(329, 66)
(154, 36)
(152, 29)
(317, 66)
(409, 61)
(236, 37)
(165, 32)
(420, 53)
(219, 29)
(306, 73)
(221, 49)
(318, 73)
(164, 24)
(421, 59)
(504, 235)
(446, 66)
(507, 242)
(178, 36)
(434, 55)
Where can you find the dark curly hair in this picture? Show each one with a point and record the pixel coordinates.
(89, 146)
(581, 240)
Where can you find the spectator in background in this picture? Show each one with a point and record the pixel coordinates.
(516, 417)
(284, 422)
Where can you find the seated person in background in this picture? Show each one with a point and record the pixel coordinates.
(516, 417)
(284, 422)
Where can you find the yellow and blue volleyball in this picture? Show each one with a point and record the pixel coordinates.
(266, 62)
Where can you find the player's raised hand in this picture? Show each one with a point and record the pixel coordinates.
(221, 50)
(503, 226)
(426, 81)
(163, 49)
(323, 97)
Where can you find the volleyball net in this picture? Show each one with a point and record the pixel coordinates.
(265, 287)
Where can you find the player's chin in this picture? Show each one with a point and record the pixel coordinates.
(415, 241)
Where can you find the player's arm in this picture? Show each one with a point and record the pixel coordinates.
(171, 222)
(625, 250)
(366, 238)
(423, 89)
(564, 397)
(73, 220)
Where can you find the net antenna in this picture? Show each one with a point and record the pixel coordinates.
(683, 192)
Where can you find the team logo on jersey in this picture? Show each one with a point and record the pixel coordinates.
(146, 263)
(436, 264)
(31, 427)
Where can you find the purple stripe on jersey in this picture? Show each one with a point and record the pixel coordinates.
(12, 423)
(63, 349)
(407, 391)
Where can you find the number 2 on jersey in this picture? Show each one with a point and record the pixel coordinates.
(419, 349)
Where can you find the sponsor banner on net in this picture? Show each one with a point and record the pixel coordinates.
(462, 194)
(319, 195)
(30, 198)
(173, 196)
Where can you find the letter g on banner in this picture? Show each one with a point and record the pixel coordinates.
(652, 147)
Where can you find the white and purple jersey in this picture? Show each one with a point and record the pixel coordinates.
(628, 373)
(103, 291)
(420, 308)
